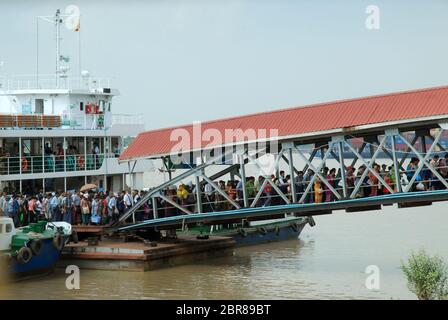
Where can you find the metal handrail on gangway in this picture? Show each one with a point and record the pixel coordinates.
(156, 191)
(308, 209)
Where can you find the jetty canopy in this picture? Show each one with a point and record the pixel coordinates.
(408, 109)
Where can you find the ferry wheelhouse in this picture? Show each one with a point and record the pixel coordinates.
(58, 132)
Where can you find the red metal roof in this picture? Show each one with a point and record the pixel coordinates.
(308, 119)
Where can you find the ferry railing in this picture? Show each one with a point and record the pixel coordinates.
(214, 202)
(89, 121)
(132, 119)
(52, 163)
(52, 81)
(29, 121)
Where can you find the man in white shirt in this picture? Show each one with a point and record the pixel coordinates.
(112, 205)
(127, 200)
(54, 207)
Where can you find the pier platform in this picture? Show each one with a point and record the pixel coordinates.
(114, 254)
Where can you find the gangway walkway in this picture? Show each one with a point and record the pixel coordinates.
(418, 120)
(310, 209)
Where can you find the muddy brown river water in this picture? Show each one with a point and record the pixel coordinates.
(327, 262)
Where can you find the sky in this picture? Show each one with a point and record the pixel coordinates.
(179, 61)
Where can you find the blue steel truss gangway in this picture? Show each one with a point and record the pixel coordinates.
(345, 197)
(374, 125)
(310, 209)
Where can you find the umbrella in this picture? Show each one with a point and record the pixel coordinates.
(88, 187)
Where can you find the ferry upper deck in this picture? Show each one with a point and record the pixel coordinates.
(64, 128)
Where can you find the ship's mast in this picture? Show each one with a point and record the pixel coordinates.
(57, 23)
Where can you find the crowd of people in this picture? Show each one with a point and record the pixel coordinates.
(106, 207)
(77, 208)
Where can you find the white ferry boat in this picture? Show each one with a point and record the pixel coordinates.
(58, 132)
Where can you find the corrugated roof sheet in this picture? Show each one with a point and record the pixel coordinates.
(308, 119)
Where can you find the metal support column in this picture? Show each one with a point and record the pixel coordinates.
(20, 157)
(396, 164)
(43, 155)
(64, 147)
(20, 162)
(198, 193)
(291, 172)
(243, 180)
(85, 154)
(342, 169)
(154, 207)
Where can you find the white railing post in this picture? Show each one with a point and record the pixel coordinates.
(64, 147)
(85, 153)
(20, 155)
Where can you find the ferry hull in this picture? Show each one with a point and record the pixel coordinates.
(272, 234)
(41, 264)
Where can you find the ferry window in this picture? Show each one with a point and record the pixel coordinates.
(39, 106)
(81, 106)
(8, 228)
(1, 228)
(108, 109)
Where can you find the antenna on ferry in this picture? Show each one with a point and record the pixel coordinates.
(57, 22)
(72, 21)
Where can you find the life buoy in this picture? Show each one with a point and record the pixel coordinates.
(58, 242)
(262, 230)
(24, 255)
(242, 232)
(24, 164)
(36, 246)
(81, 162)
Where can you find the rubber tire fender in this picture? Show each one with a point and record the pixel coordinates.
(262, 230)
(24, 255)
(36, 246)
